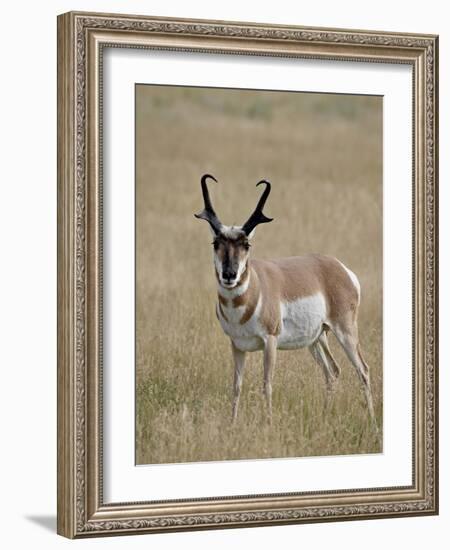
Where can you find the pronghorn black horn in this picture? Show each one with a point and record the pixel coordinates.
(258, 217)
(208, 213)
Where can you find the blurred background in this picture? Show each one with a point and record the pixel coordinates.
(323, 155)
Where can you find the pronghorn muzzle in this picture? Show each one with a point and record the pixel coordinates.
(229, 274)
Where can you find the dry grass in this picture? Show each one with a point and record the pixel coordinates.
(323, 155)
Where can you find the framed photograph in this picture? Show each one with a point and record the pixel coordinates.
(247, 274)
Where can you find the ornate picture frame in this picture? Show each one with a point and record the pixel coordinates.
(82, 38)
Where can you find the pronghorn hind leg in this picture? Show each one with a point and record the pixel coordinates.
(270, 354)
(320, 356)
(336, 369)
(347, 335)
(239, 364)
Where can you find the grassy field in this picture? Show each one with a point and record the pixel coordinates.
(323, 155)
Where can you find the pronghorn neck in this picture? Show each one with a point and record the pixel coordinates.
(238, 305)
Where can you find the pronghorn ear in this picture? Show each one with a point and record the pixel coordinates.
(251, 234)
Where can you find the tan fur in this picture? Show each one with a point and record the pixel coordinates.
(222, 299)
(240, 300)
(250, 297)
(288, 279)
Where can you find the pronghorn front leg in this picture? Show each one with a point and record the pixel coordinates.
(239, 364)
(270, 355)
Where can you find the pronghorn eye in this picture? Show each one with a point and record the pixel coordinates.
(247, 246)
(215, 244)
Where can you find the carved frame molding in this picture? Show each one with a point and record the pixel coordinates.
(81, 39)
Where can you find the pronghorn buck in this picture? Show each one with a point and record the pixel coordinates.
(284, 303)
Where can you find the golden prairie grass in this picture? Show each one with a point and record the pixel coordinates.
(323, 155)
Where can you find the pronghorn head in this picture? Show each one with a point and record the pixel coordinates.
(232, 243)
